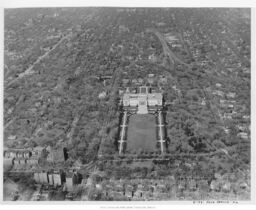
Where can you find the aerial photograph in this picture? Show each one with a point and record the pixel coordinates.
(127, 104)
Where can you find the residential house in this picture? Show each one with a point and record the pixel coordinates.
(125, 82)
(243, 135)
(215, 185)
(231, 95)
(226, 186)
(37, 151)
(218, 85)
(242, 128)
(163, 79)
(12, 137)
(102, 95)
(152, 58)
(16, 161)
(243, 185)
(192, 185)
(22, 161)
(218, 93)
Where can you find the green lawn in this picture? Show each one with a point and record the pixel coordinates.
(141, 133)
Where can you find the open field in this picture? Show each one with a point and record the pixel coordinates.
(141, 133)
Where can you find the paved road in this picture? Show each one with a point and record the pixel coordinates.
(29, 70)
(166, 49)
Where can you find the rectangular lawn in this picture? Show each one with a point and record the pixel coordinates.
(141, 134)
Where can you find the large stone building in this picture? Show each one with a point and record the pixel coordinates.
(141, 108)
(142, 99)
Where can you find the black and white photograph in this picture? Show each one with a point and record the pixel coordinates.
(127, 104)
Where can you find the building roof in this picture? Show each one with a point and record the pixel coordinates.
(143, 90)
(157, 96)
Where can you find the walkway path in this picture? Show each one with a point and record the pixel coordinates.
(123, 126)
(160, 126)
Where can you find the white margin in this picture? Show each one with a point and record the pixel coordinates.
(135, 3)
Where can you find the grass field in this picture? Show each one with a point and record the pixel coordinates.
(141, 133)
